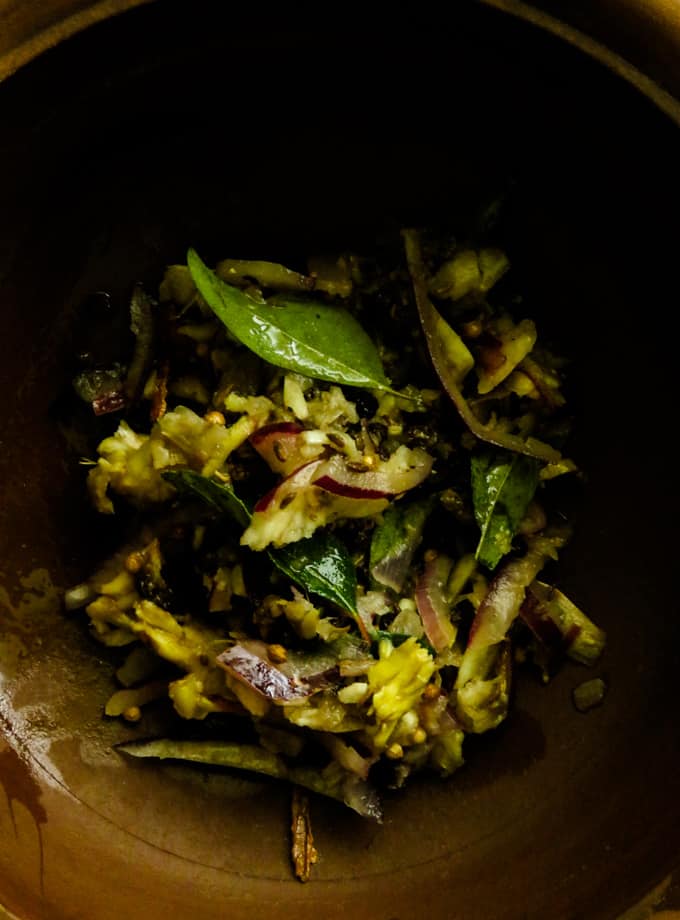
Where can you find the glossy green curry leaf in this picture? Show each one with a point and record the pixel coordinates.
(320, 564)
(503, 484)
(355, 793)
(309, 337)
(216, 494)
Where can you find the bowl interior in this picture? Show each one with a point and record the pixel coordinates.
(172, 126)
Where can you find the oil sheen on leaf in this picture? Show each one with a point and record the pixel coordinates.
(312, 338)
(503, 484)
(320, 564)
(323, 566)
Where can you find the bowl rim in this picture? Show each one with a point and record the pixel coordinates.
(654, 14)
(609, 56)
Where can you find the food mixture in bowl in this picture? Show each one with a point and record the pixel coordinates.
(339, 498)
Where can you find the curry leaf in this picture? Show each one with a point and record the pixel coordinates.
(216, 494)
(320, 564)
(503, 484)
(309, 337)
(344, 787)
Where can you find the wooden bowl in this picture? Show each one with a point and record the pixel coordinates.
(178, 124)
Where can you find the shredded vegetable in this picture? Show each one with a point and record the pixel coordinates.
(338, 487)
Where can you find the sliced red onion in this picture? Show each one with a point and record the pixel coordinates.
(496, 613)
(560, 625)
(289, 486)
(251, 667)
(541, 623)
(279, 445)
(499, 608)
(432, 604)
(102, 388)
(403, 471)
(506, 592)
(264, 433)
(349, 487)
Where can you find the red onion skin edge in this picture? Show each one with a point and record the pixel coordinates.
(270, 496)
(501, 604)
(328, 484)
(340, 480)
(278, 444)
(544, 627)
(266, 500)
(262, 434)
(429, 596)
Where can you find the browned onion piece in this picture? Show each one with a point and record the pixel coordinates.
(300, 675)
(257, 672)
